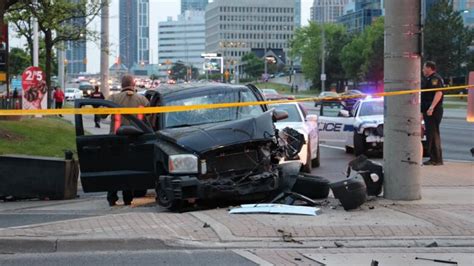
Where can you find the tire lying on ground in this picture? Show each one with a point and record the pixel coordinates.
(314, 187)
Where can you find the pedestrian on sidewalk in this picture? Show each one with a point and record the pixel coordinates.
(432, 110)
(128, 97)
(58, 97)
(97, 95)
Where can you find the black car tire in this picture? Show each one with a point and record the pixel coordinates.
(164, 201)
(349, 150)
(316, 162)
(359, 144)
(308, 167)
(313, 187)
(139, 193)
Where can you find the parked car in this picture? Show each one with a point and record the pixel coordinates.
(360, 130)
(72, 94)
(273, 95)
(230, 153)
(305, 124)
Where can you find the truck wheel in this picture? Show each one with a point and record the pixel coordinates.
(139, 193)
(308, 166)
(359, 144)
(316, 162)
(166, 202)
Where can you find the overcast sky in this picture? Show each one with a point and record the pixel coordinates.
(159, 11)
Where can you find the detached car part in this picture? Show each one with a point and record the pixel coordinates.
(351, 192)
(371, 172)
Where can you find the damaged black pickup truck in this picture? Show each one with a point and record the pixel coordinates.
(226, 153)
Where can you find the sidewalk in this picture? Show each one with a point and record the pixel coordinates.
(443, 215)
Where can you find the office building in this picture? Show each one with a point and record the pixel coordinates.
(182, 39)
(196, 5)
(327, 10)
(134, 16)
(360, 14)
(234, 28)
(466, 7)
(297, 13)
(76, 51)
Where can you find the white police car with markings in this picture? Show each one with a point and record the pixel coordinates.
(358, 130)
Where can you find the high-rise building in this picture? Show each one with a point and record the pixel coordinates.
(76, 51)
(183, 39)
(360, 14)
(235, 28)
(297, 13)
(466, 7)
(327, 10)
(197, 5)
(134, 32)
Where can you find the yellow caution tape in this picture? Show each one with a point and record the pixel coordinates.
(167, 109)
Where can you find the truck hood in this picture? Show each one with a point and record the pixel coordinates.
(202, 138)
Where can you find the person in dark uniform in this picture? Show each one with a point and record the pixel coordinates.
(97, 95)
(432, 110)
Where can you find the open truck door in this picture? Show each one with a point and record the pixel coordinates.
(121, 161)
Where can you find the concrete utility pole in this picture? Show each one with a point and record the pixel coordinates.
(61, 57)
(402, 64)
(104, 48)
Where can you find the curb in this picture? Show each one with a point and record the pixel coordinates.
(51, 245)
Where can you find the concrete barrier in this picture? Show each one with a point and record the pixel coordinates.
(38, 177)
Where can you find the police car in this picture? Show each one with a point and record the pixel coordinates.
(358, 130)
(305, 124)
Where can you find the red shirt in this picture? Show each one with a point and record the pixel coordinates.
(58, 96)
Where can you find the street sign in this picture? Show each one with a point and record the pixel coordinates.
(33, 82)
(323, 76)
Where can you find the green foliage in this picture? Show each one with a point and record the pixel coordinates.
(179, 71)
(306, 45)
(18, 61)
(33, 137)
(253, 66)
(362, 58)
(446, 39)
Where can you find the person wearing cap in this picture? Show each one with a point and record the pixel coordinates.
(126, 98)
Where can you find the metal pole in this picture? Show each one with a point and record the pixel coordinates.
(104, 48)
(61, 57)
(323, 53)
(265, 48)
(402, 129)
(35, 39)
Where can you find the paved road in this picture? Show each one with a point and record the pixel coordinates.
(191, 257)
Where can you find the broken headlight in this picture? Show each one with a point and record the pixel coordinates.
(183, 164)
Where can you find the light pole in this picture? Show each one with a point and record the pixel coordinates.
(323, 49)
(104, 48)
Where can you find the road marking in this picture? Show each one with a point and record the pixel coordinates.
(332, 147)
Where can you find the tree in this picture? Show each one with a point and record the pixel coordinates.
(306, 45)
(5, 6)
(363, 57)
(446, 39)
(18, 61)
(179, 70)
(252, 65)
(57, 21)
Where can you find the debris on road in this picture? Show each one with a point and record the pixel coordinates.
(290, 198)
(432, 245)
(374, 263)
(314, 187)
(371, 172)
(351, 192)
(439, 261)
(271, 208)
(338, 244)
(206, 225)
(288, 237)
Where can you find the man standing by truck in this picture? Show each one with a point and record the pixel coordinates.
(126, 98)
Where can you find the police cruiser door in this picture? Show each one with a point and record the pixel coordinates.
(334, 127)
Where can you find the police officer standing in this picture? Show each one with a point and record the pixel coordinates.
(432, 110)
(126, 98)
(97, 95)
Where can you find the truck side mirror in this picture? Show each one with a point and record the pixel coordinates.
(129, 131)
